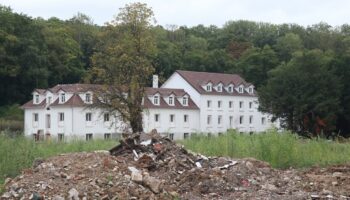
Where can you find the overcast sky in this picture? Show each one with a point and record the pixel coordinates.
(194, 12)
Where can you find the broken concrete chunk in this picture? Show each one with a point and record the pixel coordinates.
(146, 143)
(152, 183)
(73, 194)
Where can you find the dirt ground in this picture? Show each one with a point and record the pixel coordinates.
(152, 167)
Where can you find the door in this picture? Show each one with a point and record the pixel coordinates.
(48, 121)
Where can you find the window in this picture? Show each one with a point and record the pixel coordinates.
(171, 100)
(209, 119)
(89, 136)
(219, 88)
(185, 118)
(219, 104)
(230, 89)
(241, 120)
(106, 117)
(263, 120)
(231, 121)
(230, 104)
(240, 89)
(88, 117)
(250, 119)
(241, 104)
(208, 103)
(107, 136)
(219, 119)
(63, 98)
(185, 101)
(171, 136)
(36, 98)
(61, 117)
(250, 90)
(88, 98)
(60, 137)
(156, 100)
(172, 118)
(209, 87)
(49, 100)
(250, 105)
(36, 117)
(156, 117)
(186, 135)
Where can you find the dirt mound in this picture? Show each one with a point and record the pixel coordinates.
(148, 166)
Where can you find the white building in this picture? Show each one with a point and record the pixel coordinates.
(188, 102)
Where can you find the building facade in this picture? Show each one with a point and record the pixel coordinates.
(187, 103)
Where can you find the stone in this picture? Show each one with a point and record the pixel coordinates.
(269, 187)
(57, 197)
(136, 176)
(6, 195)
(8, 180)
(73, 194)
(337, 174)
(152, 183)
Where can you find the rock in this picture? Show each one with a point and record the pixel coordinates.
(57, 197)
(152, 183)
(337, 174)
(268, 186)
(249, 165)
(334, 183)
(136, 176)
(73, 194)
(6, 195)
(8, 180)
(37, 162)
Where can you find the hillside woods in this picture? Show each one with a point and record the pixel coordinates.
(301, 73)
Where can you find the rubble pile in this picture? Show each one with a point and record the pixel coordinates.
(148, 166)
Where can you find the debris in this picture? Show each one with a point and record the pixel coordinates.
(73, 194)
(148, 166)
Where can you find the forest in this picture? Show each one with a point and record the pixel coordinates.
(302, 74)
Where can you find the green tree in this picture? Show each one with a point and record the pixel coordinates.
(123, 63)
(304, 93)
(287, 45)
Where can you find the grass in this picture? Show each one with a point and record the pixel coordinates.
(281, 150)
(17, 153)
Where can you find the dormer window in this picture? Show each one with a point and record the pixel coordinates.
(230, 89)
(63, 98)
(250, 90)
(88, 98)
(209, 87)
(36, 99)
(219, 88)
(171, 100)
(240, 89)
(185, 101)
(156, 100)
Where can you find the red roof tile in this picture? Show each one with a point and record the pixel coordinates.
(30, 104)
(198, 79)
(75, 100)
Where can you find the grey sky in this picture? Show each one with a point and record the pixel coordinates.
(194, 12)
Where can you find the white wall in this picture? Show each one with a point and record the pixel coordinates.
(177, 82)
(74, 124)
(178, 127)
(235, 112)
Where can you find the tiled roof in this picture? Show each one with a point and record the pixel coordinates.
(74, 88)
(198, 79)
(30, 104)
(165, 91)
(162, 104)
(75, 100)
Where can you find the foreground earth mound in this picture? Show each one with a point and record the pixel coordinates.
(148, 166)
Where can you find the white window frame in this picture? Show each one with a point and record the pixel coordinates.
(219, 119)
(36, 98)
(88, 117)
(61, 116)
(240, 89)
(106, 117)
(230, 104)
(219, 88)
(263, 120)
(251, 119)
(63, 97)
(171, 100)
(156, 100)
(185, 101)
(220, 104)
(209, 87)
(88, 98)
(241, 119)
(209, 120)
(172, 118)
(89, 136)
(208, 103)
(156, 117)
(186, 118)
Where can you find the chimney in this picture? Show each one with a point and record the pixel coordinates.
(155, 81)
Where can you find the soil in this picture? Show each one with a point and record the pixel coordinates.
(148, 166)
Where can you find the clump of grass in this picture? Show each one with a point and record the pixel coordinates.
(17, 153)
(281, 150)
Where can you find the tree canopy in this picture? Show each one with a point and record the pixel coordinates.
(292, 66)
